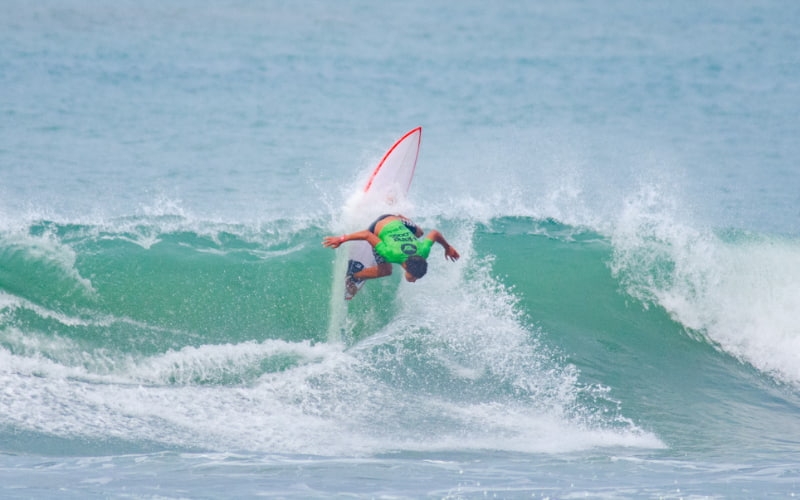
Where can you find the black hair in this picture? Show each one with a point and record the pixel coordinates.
(417, 266)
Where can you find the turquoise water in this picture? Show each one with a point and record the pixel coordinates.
(620, 180)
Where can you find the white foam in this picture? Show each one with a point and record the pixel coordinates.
(475, 331)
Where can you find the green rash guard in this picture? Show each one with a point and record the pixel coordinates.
(398, 243)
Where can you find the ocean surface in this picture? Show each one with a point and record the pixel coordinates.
(622, 179)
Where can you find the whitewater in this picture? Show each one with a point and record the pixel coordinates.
(621, 182)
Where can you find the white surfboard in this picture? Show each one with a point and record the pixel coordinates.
(384, 193)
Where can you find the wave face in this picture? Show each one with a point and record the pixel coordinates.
(159, 332)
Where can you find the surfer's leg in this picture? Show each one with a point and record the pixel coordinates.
(379, 270)
(370, 273)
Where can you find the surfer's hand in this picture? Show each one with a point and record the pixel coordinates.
(451, 253)
(332, 241)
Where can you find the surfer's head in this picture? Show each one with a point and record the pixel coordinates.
(415, 267)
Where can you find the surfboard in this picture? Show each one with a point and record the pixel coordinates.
(384, 192)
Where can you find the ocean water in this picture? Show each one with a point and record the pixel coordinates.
(621, 179)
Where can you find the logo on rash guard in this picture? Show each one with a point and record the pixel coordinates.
(408, 248)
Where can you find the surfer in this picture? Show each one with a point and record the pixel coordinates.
(394, 240)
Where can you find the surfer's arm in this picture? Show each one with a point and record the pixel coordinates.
(450, 253)
(335, 241)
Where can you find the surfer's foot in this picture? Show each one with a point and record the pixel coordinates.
(351, 286)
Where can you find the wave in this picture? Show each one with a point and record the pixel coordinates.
(736, 289)
(544, 337)
(603, 300)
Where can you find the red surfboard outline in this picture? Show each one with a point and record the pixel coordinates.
(388, 153)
